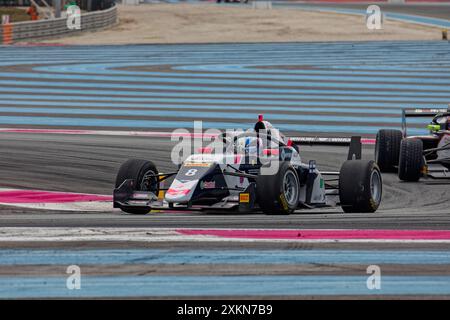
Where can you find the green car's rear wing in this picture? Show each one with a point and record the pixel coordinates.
(420, 112)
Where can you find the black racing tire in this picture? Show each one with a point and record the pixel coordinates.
(272, 196)
(411, 160)
(360, 186)
(387, 149)
(137, 169)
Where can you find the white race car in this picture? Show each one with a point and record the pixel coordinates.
(256, 170)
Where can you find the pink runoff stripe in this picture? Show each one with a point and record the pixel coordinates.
(125, 133)
(104, 132)
(58, 131)
(319, 234)
(36, 196)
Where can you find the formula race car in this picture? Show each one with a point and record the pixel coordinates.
(414, 157)
(255, 170)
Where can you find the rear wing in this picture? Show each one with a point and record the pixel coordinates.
(419, 112)
(354, 143)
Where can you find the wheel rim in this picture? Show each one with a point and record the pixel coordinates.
(375, 186)
(149, 181)
(290, 188)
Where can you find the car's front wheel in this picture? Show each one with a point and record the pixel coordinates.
(144, 173)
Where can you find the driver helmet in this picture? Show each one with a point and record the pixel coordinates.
(249, 145)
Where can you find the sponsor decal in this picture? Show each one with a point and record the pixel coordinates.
(143, 196)
(321, 139)
(207, 184)
(197, 164)
(427, 110)
(244, 197)
(174, 192)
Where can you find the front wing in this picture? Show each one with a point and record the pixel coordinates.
(127, 197)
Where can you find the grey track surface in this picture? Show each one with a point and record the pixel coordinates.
(89, 164)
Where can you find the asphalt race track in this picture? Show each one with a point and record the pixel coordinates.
(88, 164)
(67, 122)
(313, 88)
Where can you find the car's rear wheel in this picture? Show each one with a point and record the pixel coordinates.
(411, 160)
(278, 193)
(387, 149)
(144, 173)
(360, 186)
